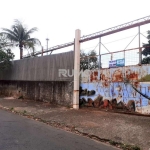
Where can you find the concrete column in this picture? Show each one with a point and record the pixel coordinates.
(76, 69)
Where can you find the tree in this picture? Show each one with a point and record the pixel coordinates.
(20, 35)
(88, 62)
(146, 51)
(5, 53)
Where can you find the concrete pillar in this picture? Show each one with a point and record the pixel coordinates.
(76, 69)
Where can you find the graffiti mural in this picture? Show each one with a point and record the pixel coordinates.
(108, 88)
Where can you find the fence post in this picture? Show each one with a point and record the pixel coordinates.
(42, 51)
(76, 69)
(99, 52)
(140, 50)
(124, 55)
(140, 56)
(111, 56)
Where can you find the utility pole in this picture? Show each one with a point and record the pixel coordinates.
(47, 44)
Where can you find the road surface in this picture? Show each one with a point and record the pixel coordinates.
(20, 133)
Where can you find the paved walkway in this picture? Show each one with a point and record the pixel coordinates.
(103, 126)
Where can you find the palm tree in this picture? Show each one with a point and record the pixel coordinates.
(20, 35)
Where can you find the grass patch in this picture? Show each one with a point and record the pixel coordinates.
(124, 146)
(24, 112)
(12, 108)
(145, 78)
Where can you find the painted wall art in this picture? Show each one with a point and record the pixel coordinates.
(123, 88)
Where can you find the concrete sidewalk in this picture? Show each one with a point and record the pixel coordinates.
(109, 127)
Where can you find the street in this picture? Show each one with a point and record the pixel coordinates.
(20, 133)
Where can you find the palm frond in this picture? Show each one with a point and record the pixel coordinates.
(34, 40)
(17, 22)
(10, 36)
(30, 45)
(20, 35)
(32, 30)
(7, 31)
(15, 30)
(27, 35)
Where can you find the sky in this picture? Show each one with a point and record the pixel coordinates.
(58, 20)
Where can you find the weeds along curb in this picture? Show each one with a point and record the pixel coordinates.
(73, 130)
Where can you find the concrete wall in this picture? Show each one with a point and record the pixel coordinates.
(110, 84)
(38, 79)
(40, 68)
(58, 92)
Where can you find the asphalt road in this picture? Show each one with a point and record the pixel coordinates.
(20, 133)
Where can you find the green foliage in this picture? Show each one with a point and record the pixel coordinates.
(20, 35)
(24, 112)
(11, 109)
(124, 146)
(145, 78)
(5, 54)
(88, 62)
(146, 50)
(146, 60)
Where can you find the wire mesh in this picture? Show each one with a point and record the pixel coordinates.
(119, 55)
(131, 57)
(105, 60)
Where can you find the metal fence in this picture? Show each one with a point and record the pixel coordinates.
(131, 57)
(126, 85)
